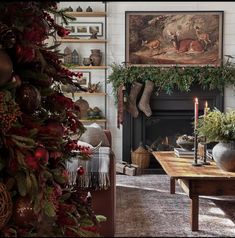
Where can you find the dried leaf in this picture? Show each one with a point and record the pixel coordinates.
(49, 209)
(21, 183)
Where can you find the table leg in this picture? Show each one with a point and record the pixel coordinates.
(172, 186)
(194, 212)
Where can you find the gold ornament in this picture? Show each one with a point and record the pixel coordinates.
(6, 68)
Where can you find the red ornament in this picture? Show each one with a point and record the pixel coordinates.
(31, 162)
(62, 32)
(28, 98)
(80, 170)
(42, 155)
(23, 213)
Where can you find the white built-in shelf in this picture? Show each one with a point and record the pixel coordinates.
(93, 120)
(87, 94)
(86, 14)
(88, 67)
(79, 40)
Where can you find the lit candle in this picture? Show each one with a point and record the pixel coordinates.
(205, 109)
(195, 113)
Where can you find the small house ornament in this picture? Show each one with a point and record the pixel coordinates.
(79, 9)
(68, 55)
(75, 57)
(89, 9)
(69, 9)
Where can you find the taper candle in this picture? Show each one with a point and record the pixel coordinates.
(195, 113)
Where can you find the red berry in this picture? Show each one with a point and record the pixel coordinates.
(42, 155)
(80, 170)
(62, 32)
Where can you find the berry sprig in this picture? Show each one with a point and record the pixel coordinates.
(73, 146)
(9, 111)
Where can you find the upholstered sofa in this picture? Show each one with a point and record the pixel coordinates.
(104, 201)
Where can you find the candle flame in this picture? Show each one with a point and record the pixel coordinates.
(196, 100)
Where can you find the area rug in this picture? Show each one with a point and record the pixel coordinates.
(145, 208)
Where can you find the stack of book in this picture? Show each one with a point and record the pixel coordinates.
(180, 152)
(209, 154)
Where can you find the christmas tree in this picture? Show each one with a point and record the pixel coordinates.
(38, 125)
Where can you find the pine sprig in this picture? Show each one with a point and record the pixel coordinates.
(62, 13)
(174, 78)
(218, 126)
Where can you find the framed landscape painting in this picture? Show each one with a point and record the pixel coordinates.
(80, 29)
(192, 38)
(87, 28)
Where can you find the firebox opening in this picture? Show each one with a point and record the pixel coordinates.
(162, 131)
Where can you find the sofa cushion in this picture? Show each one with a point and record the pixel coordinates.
(94, 134)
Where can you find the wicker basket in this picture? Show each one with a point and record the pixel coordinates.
(141, 157)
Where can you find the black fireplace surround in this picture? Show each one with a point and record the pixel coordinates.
(172, 115)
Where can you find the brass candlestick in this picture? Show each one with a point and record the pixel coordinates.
(195, 162)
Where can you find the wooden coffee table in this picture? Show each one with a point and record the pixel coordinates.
(207, 180)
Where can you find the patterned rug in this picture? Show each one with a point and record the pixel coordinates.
(145, 208)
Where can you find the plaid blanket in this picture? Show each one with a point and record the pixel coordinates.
(96, 174)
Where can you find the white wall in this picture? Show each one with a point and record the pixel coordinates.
(116, 44)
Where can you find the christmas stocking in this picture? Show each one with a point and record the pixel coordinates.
(131, 103)
(144, 101)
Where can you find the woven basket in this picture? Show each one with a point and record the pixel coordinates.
(140, 157)
(5, 205)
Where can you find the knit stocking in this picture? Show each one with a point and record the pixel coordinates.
(145, 98)
(132, 98)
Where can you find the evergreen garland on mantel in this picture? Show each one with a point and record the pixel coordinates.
(168, 79)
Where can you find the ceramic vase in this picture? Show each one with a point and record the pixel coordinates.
(86, 61)
(96, 57)
(224, 155)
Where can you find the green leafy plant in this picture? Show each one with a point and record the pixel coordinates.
(217, 126)
(168, 79)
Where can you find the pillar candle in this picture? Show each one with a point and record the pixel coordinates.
(195, 113)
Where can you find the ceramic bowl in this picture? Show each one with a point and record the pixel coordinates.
(187, 145)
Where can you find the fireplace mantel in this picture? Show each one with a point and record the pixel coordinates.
(177, 106)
